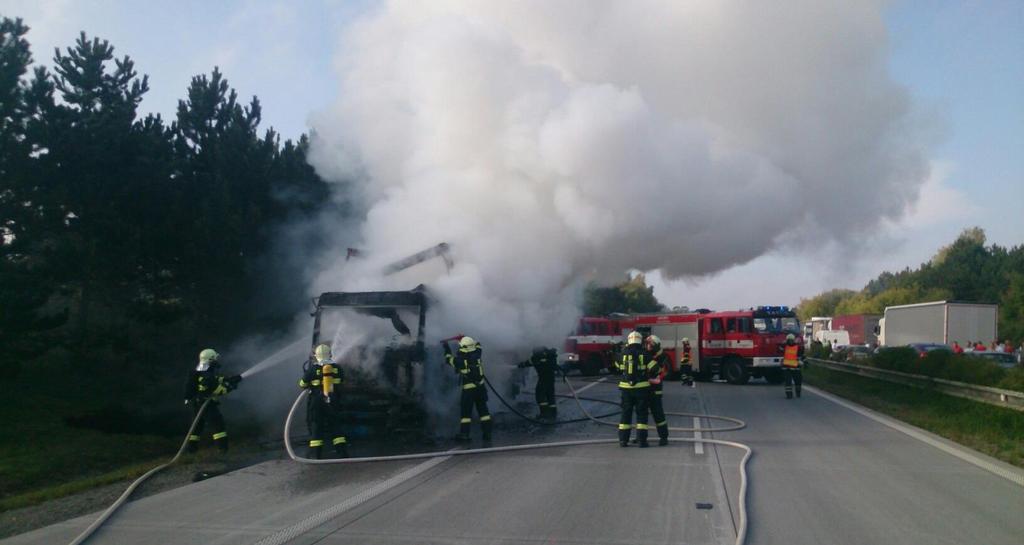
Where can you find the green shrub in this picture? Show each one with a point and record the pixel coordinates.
(903, 359)
(976, 371)
(1014, 380)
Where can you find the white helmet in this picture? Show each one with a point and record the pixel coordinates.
(634, 337)
(467, 343)
(322, 353)
(790, 337)
(654, 341)
(686, 339)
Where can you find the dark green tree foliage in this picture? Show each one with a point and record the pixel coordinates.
(965, 270)
(153, 239)
(631, 296)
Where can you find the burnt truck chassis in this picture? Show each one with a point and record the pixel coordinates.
(388, 401)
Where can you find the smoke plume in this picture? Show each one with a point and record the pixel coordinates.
(552, 143)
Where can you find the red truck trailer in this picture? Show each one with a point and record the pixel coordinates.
(861, 327)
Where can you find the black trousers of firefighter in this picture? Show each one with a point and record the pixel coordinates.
(216, 420)
(544, 393)
(475, 396)
(325, 427)
(658, 412)
(634, 400)
(792, 375)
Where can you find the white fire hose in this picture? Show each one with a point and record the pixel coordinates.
(290, 533)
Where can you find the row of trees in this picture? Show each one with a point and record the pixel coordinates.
(632, 295)
(966, 270)
(118, 228)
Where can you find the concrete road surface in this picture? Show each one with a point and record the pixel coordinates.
(821, 473)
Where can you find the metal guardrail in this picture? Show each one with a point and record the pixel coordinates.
(985, 394)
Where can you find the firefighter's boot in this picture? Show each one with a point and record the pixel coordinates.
(623, 436)
(641, 436)
(485, 427)
(797, 390)
(463, 434)
(553, 412)
(221, 441)
(316, 449)
(663, 434)
(193, 444)
(340, 447)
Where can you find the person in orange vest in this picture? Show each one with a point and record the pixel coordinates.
(792, 355)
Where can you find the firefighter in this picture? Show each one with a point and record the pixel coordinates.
(660, 359)
(685, 369)
(469, 365)
(544, 361)
(323, 377)
(635, 365)
(792, 355)
(205, 382)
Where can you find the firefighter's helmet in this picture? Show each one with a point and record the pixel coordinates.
(686, 340)
(467, 343)
(790, 338)
(208, 355)
(322, 353)
(654, 343)
(634, 337)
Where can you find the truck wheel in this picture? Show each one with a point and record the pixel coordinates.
(735, 372)
(773, 376)
(592, 366)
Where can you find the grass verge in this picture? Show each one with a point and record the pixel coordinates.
(995, 431)
(78, 485)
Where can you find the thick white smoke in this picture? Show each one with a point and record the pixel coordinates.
(551, 143)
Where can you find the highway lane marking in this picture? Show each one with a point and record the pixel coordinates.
(589, 386)
(698, 448)
(291, 532)
(1011, 474)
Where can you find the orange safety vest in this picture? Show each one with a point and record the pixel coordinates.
(790, 358)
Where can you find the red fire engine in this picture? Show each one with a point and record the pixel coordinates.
(735, 345)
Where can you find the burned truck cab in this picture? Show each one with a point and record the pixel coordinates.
(377, 338)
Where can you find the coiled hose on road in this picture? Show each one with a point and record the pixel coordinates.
(741, 532)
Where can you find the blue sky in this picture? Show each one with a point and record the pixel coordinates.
(962, 62)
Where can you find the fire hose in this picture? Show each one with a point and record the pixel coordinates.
(741, 531)
(91, 529)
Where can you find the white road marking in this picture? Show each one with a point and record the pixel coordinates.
(993, 466)
(698, 448)
(287, 534)
(591, 385)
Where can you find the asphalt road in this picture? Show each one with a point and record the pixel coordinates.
(821, 473)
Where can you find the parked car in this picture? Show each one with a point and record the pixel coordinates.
(856, 352)
(1002, 359)
(924, 348)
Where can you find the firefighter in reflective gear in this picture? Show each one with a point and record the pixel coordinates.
(469, 365)
(206, 382)
(323, 377)
(685, 367)
(545, 361)
(635, 366)
(657, 374)
(792, 355)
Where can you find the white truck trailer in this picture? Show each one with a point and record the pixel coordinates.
(938, 322)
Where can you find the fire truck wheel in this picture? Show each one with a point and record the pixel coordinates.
(592, 366)
(734, 371)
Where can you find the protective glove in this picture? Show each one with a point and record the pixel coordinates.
(232, 382)
(186, 401)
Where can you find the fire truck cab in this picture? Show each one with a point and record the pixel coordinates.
(735, 345)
